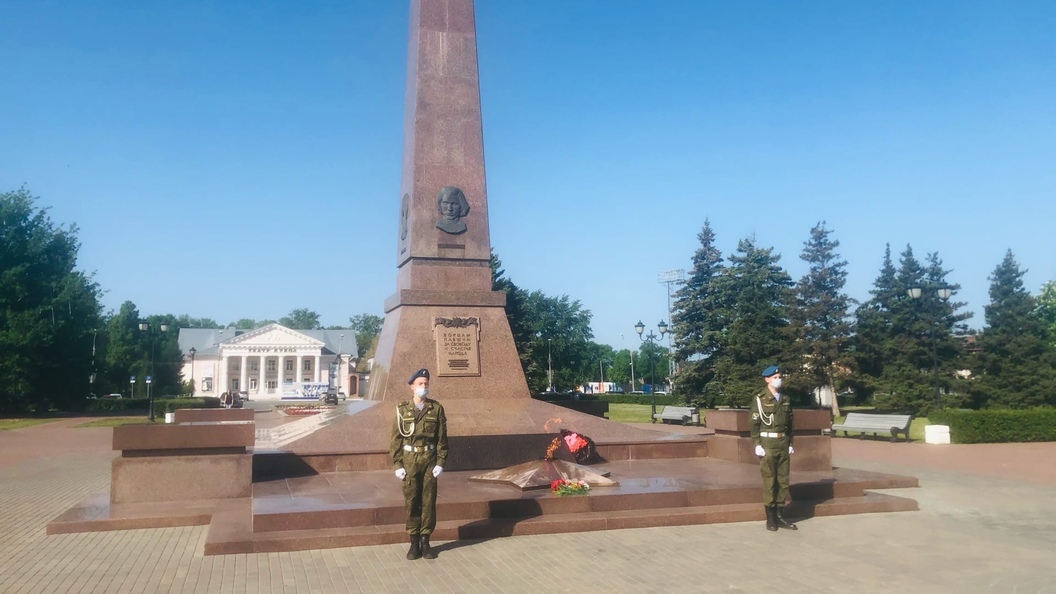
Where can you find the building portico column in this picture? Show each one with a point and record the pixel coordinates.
(221, 384)
(300, 368)
(243, 379)
(261, 383)
(317, 370)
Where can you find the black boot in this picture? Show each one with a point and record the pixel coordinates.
(427, 551)
(781, 521)
(771, 519)
(415, 551)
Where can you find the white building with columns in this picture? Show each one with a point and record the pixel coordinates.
(270, 362)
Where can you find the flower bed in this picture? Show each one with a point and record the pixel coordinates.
(303, 411)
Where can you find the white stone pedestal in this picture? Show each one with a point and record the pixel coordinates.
(937, 434)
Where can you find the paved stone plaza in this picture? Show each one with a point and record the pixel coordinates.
(987, 524)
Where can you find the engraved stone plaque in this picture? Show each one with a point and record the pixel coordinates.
(457, 346)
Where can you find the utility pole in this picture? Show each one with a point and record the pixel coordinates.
(672, 277)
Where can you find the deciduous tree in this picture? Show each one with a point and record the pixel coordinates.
(49, 310)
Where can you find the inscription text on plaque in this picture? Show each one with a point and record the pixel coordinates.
(457, 346)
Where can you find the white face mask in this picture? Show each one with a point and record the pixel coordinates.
(421, 392)
(776, 382)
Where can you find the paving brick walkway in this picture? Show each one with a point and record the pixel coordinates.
(986, 525)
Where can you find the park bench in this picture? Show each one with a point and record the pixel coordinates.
(680, 414)
(875, 424)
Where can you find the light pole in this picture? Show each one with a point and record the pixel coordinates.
(639, 328)
(193, 352)
(91, 378)
(601, 368)
(145, 327)
(944, 294)
(549, 366)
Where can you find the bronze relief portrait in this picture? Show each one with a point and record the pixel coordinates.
(452, 205)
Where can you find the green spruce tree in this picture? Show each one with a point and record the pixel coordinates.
(697, 322)
(820, 320)
(874, 330)
(1016, 366)
(757, 291)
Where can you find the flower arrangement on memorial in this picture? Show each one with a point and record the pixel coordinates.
(562, 487)
(580, 446)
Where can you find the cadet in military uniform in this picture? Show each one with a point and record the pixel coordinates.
(772, 434)
(419, 450)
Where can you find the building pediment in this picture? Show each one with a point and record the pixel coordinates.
(273, 335)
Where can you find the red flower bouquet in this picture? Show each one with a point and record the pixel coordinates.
(561, 487)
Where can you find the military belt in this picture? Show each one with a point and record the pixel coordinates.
(768, 434)
(425, 448)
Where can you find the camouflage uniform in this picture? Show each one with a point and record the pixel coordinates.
(419, 442)
(775, 418)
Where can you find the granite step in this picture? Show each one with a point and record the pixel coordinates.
(231, 538)
(317, 514)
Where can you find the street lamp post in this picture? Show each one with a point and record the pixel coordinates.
(91, 377)
(193, 352)
(549, 366)
(639, 328)
(944, 294)
(145, 327)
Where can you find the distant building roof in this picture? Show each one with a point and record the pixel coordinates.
(206, 341)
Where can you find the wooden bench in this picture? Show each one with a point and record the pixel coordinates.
(875, 424)
(680, 414)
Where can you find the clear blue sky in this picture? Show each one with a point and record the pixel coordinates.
(242, 158)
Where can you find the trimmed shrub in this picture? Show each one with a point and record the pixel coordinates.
(118, 405)
(661, 399)
(998, 425)
(167, 405)
(142, 405)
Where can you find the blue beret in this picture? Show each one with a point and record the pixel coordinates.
(768, 371)
(423, 372)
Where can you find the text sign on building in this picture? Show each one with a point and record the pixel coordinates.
(457, 346)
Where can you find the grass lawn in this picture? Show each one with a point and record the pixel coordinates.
(9, 424)
(115, 421)
(631, 413)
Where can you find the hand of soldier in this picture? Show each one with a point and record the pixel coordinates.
(437, 470)
(791, 450)
(759, 451)
(401, 473)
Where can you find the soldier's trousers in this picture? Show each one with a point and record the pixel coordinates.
(419, 492)
(774, 468)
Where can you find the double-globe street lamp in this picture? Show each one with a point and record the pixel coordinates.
(943, 294)
(192, 353)
(640, 328)
(145, 327)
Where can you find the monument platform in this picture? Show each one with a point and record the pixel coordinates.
(343, 509)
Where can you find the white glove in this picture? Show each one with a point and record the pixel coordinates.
(791, 450)
(401, 473)
(759, 451)
(437, 470)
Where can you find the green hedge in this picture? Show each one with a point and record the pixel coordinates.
(118, 405)
(661, 399)
(998, 425)
(167, 405)
(142, 405)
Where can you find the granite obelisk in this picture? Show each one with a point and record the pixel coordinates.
(444, 315)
